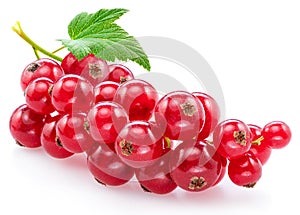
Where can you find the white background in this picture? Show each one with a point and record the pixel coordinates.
(254, 49)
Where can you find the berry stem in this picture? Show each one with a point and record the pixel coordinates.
(258, 141)
(57, 50)
(36, 53)
(17, 28)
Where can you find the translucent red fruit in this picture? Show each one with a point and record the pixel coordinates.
(259, 147)
(107, 167)
(137, 145)
(195, 168)
(245, 170)
(138, 98)
(223, 171)
(26, 126)
(183, 113)
(105, 121)
(91, 68)
(49, 139)
(212, 114)
(277, 134)
(72, 93)
(43, 67)
(67, 63)
(119, 73)
(105, 91)
(37, 95)
(72, 133)
(232, 137)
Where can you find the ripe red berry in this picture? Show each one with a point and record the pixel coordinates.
(137, 146)
(138, 98)
(67, 63)
(245, 170)
(195, 168)
(277, 134)
(72, 93)
(223, 171)
(25, 126)
(212, 114)
(107, 168)
(119, 73)
(43, 67)
(37, 96)
(183, 113)
(49, 139)
(105, 91)
(232, 137)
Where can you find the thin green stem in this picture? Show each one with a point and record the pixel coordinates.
(57, 50)
(17, 28)
(36, 53)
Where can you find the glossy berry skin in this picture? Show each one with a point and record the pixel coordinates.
(245, 170)
(67, 63)
(91, 68)
(72, 133)
(25, 126)
(43, 67)
(259, 147)
(37, 96)
(105, 91)
(138, 98)
(137, 146)
(119, 73)
(232, 138)
(195, 168)
(156, 177)
(107, 168)
(183, 113)
(212, 114)
(49, 139)
(72, 93)
(105, 120)
(224, 163)
(277, 134)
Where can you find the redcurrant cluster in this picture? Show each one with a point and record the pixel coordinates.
(125, 128)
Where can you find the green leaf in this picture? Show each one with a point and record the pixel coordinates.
(99, 35)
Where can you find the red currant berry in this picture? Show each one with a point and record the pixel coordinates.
(72, 93)
(232, 137)
(67, 63)
(245, 170)
(25, 126)
(119, 73)
(156, 178)
(137, 146)
(91, 68)
(43, 67)
(277, 134)
(212, 114)
(107, 168)
(195, 168)
(37, 96)
(105, 91)
(183, 114)
(72, 133)
(223, 171)
(49, 139)
(138, 99)
(259, 147)
(105, 120)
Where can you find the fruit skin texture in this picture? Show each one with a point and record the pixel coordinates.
(67, 63)
(183, 114)
(105, 91)
(72, 93)
(212, 114)
(106, 119)
(43, 67)
(138, 98)
(259, 148)
(49, 141)
(196, 168)
(277, 134)
(137, 145)
(245, 170)
(119, 73)
(232, 138)
(224, 162)
(107, 168)
(38, 97)
(25, 126)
